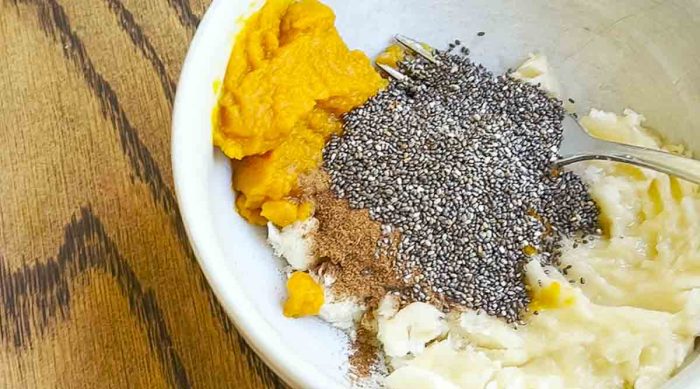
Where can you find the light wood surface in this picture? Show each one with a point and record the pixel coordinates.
(98, 285)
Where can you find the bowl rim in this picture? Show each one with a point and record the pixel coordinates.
(256, 331)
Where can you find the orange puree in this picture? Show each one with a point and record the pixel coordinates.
(305, 296)
(289, 79)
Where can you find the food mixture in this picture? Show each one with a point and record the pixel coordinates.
(423, 218)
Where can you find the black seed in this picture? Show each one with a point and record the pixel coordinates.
(458, 161)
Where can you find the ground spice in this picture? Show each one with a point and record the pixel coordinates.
(360, 255)
(365, 352)
(347, 242)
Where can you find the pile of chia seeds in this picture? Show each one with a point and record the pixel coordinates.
(459, 162)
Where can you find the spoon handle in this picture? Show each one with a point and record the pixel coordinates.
(675, 165)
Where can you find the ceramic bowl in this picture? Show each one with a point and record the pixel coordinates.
(642, 54)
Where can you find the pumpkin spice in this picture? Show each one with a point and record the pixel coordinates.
(350, 245)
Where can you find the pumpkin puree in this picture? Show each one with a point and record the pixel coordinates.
(305, 296)
(289, 79)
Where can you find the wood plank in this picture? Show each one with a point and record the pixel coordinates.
(98, 284)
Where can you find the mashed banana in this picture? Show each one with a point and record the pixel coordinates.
(289, 79)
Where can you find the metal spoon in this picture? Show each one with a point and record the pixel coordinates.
(577, 144)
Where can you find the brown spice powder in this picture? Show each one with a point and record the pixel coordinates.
(365, 352)
(347, 239)
(347, 244)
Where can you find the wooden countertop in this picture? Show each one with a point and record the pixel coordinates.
(99, 286)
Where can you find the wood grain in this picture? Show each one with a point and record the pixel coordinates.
(98, 284)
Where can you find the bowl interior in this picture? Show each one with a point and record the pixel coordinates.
(641, 54)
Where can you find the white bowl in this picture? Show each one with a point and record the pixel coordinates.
(607, 54)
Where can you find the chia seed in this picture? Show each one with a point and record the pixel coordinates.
(459, 162)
